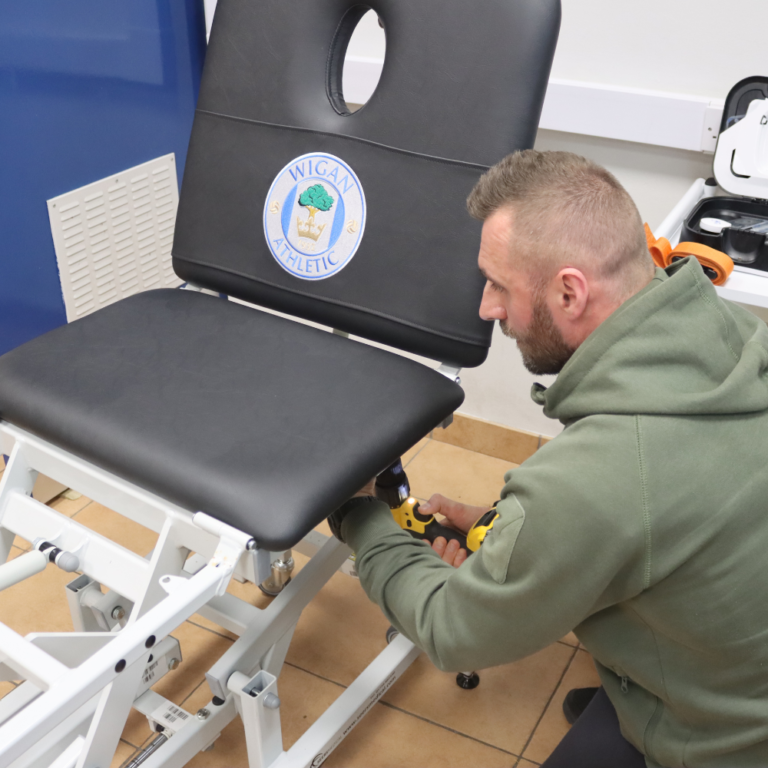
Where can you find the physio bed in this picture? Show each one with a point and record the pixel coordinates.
(231, 431)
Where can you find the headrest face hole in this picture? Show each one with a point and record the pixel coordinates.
(354, 66)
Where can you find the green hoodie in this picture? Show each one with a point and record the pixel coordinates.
(643, 527)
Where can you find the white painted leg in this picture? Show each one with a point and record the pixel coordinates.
(167, 557)
(270, 625)
(68, 758)
(19, 476)
(112, 711)
(259, 707)
(344, 714)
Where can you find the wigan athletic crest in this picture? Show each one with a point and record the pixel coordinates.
(314, 216)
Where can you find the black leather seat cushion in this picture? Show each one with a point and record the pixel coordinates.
(262, 422)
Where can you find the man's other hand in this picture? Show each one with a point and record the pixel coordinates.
(461, 516)
(369, 489)
(449, 551)
(457, 515)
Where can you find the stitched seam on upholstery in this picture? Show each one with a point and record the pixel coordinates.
(329, 63)
(409, 152)
(330, 60)
(644, 497)
(347, 305)
(720, 315)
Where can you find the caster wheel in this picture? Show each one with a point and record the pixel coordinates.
(467, 680)
(392, 633)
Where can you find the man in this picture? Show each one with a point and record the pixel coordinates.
(643, 527)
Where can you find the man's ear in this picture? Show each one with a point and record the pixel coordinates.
(570, 293)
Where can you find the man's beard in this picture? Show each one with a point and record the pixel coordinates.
(542, 346)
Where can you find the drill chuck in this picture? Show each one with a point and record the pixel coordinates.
(392, 485)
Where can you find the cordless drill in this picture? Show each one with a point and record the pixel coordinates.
(392, 486)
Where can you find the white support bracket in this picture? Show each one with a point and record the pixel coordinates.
(257, 702)
(272, 623)
(343, 715)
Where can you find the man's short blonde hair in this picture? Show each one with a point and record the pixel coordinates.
(566, 210)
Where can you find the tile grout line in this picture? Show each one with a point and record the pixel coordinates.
(129, 743)
(208, 629)
(314, 674)
(80, 510)
(192, 692)
(408, 713)
(429, 440)
(447, 728)
(549, 701)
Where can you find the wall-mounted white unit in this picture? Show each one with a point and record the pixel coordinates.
(113, 237)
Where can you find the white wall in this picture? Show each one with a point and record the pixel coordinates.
(692, 47)
(698, 47)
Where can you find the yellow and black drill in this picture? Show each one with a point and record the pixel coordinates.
(392, 486)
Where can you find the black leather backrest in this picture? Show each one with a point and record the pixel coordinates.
(462, 86)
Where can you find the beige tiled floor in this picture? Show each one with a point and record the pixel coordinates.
(512, 720)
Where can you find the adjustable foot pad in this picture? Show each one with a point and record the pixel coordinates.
(468, 680)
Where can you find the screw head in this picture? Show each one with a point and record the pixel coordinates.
(271, 701)
(173, 663)
(118, 612)
(202, 714)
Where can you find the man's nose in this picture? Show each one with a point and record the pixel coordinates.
(491, 307)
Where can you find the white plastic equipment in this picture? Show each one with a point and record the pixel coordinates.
(741, 158)
(741, 169)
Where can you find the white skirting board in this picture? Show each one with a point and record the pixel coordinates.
(113, 237)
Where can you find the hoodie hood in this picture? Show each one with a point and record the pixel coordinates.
(675, 348)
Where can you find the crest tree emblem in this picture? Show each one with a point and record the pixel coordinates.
(316, 198)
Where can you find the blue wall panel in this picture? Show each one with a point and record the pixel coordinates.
(87, 89)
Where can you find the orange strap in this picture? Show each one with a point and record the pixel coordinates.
(663, 255)
(660, 249)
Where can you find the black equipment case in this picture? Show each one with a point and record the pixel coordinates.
(738, 225)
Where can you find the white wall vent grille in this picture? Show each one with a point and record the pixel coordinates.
(113, 237)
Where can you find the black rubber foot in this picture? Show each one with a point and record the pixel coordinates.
(467, 680)
(392, 633)
(576, 701)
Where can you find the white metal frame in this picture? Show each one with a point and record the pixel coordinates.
(79, 687)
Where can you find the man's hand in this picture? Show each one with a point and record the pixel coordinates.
(461, 516)
(457, 515)
(369, 489)
(449, 551)
(367, 493)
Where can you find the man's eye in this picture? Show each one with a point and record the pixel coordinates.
(495, 287)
